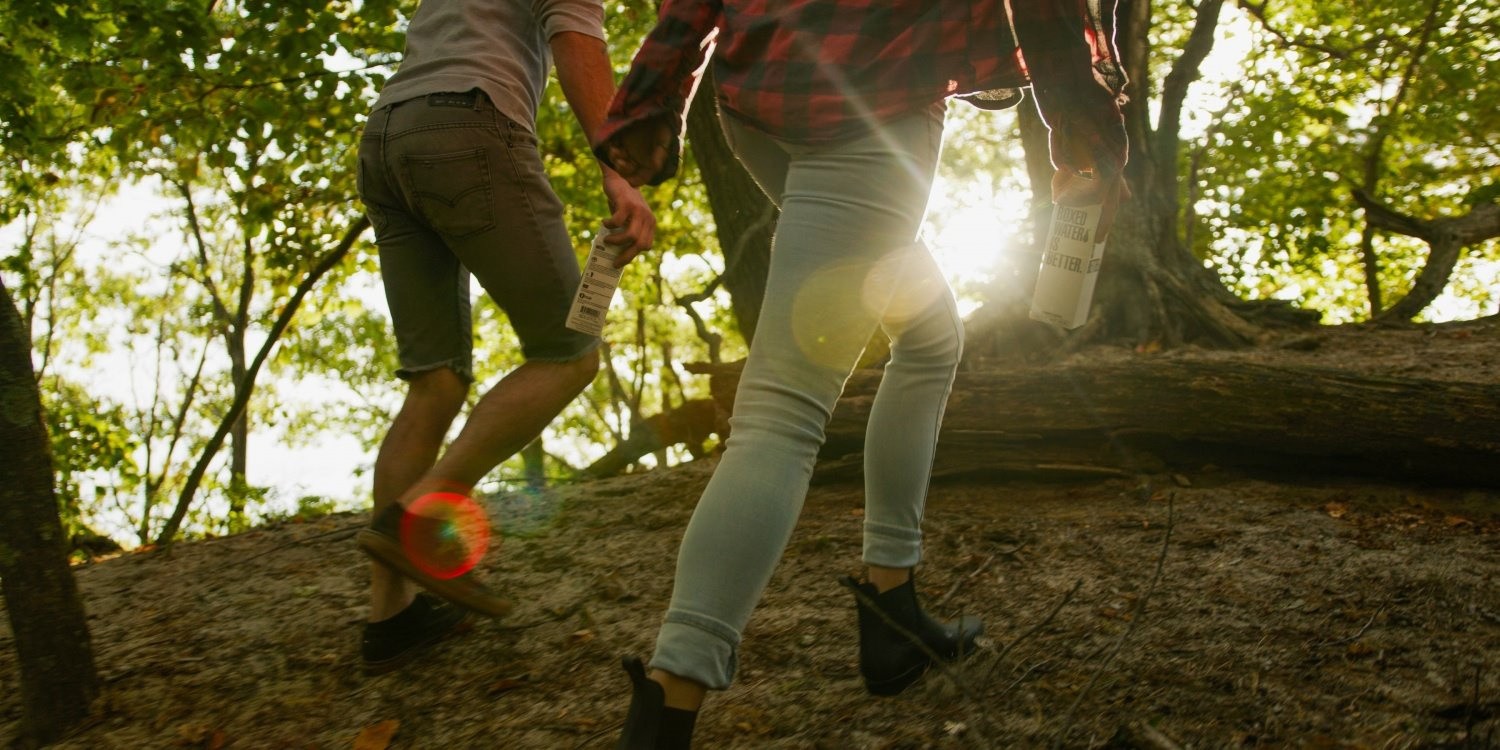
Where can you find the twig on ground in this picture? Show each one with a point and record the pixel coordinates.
(347, 531)
(1136, 613)
(614, 727)
(1357, 635)
(1034, 629)
(1140, 734)
(565, 614)
(960, 582)
(1022, 678)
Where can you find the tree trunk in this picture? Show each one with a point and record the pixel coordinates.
(239, 448)
(1151, 289)
(745, 217)
(1152, 415)
(534, 464)
(58, 679)
(239, 434)
(689, 424)
(1375, 163)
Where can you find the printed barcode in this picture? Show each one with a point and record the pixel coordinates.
(589, 311)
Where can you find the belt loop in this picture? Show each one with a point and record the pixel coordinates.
(477, 92)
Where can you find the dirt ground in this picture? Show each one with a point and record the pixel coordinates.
(1207, 609)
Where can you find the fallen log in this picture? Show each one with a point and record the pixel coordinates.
(689, 424)
(1148, 416)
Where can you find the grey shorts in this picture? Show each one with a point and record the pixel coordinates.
(453, 188)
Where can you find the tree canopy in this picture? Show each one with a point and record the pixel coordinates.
(1295, 151)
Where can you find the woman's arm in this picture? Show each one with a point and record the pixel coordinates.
(642, 136)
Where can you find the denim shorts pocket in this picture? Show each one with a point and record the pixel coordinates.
(452, 191)
(516, 134)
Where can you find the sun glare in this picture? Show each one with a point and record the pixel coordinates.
(974, 231)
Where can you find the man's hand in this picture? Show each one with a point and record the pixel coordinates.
(640, 151)
(587, 82)
(1079, 182)
(633, 224)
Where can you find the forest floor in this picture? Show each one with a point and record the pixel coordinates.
(1202, 609)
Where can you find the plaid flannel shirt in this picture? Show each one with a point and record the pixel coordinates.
(815, 71)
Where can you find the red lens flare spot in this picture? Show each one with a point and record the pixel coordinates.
(445, 534)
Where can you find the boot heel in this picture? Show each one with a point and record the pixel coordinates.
(898, 641)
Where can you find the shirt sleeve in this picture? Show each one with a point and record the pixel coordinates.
(1061, 42)
(557, 16)
(664, 76)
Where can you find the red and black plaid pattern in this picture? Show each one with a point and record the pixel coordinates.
(813, 71)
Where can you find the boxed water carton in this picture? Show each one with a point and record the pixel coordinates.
(1070, 266)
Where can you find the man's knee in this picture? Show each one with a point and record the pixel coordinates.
(584, 368)
(438, 393)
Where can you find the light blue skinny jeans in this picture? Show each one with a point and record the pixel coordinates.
(846, 258)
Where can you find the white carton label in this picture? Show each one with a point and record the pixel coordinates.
(1070, 267)
(597, 289)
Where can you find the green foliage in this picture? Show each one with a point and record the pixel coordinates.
(93, 454)
(308, 508)
(246, 114)
(1351, 97)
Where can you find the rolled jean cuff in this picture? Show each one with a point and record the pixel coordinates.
(699, 648)
(892, 546)
(459, 366)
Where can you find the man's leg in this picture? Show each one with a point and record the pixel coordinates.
(480, 188)
(433, 399)
(526, 263)
(508, 417)
(428, 296)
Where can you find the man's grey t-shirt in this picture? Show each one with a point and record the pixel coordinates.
(497, 46)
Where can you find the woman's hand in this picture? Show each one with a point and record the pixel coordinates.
(639, 152)
(1080, 182)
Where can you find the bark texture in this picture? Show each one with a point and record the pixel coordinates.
(58, 679)
(745, 217)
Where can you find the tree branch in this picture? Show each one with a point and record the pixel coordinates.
(1446, 237)
(1174, 91)
(242, 390)
(1381, 216)
(713, 340)
(201, 245)
(1258, 12)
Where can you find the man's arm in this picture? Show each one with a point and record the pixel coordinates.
(584, 72)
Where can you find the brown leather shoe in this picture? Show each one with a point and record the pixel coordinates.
(381, 542)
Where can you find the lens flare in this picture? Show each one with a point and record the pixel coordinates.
(903, 285)
(835, 311)
(445, 534)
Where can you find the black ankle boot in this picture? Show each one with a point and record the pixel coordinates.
(890, 659)
(650, 725)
